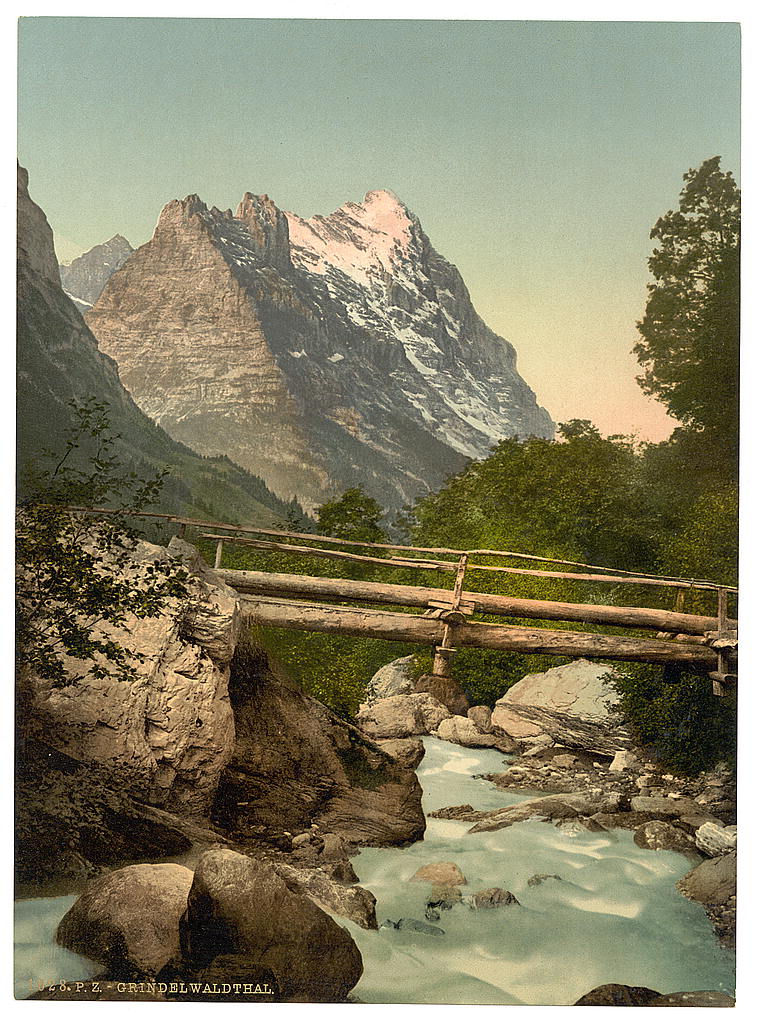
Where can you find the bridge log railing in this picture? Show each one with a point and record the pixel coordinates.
(285, 600)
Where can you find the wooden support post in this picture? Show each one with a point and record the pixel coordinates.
(722, 675)
(219, 554)
(441, 662)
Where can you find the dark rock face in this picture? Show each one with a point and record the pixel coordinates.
(319, 354)
(73, 819)
(127, 920)
(297, 764)
(444, 689)
(84, 278)
(242, 910)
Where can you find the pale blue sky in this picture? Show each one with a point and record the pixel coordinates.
(537, 155)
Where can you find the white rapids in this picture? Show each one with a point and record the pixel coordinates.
(614, 915)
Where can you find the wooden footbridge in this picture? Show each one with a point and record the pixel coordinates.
(702, 643)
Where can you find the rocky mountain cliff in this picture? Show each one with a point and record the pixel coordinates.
(83, 279)
(58, 360)
(320, 354)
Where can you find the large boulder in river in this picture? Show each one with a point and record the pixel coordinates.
(661, 835)
(712, 881)
(464, 732)
(297, 764)
(127, 920)
(241, 909)
(716, 840)
(391, 680)
(170, 730)
(415, 714)
(573, 704)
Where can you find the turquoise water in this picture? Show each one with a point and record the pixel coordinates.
(38, 962)
(615, 916)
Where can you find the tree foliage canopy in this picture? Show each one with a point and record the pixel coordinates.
(352, 516)
(691, 327)
(74, 573)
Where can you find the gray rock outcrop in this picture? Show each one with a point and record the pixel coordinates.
(464, 732)
(572, 704)
(391, 680)
(128, 919)
(171, 728)
(414, 714)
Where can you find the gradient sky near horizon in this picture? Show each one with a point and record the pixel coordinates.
(537, 155)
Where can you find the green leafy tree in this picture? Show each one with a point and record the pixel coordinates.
(352, 516)
(75, 573)
(691, 327)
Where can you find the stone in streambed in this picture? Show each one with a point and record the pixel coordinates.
(716, 840)
(440, 873)
(445, 690)
(399, 717)
(407, 752)
(411, 924)
(480, 714)
(660, 835)
(127, 920)
(488, 899)
(538, 879)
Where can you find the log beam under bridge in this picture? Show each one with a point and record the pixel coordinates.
(285, 614)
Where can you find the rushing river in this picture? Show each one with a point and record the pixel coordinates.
(614, 915)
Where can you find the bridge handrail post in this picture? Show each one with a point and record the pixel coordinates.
(441, 664)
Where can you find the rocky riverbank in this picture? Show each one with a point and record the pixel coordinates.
(569, 742)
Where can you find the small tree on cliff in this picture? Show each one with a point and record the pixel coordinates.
(71, 569)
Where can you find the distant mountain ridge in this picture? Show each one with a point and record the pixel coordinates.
(58, 360)
(320, 354)
(84, 278)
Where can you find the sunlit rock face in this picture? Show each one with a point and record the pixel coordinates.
(320, 354)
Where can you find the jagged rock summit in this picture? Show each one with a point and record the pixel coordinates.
(321, 354)
(59, 361)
